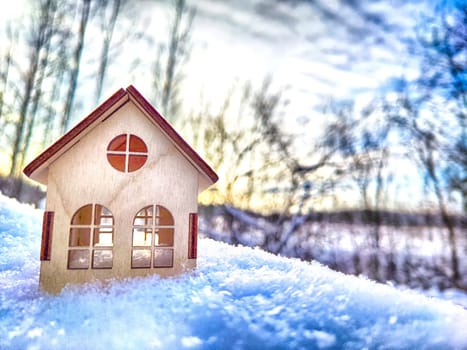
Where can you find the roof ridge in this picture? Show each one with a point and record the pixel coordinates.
(172, 133)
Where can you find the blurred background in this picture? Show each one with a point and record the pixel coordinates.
(337, 128)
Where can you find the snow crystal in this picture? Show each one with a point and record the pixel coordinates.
(238, 298)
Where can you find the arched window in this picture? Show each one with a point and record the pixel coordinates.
(127, 153)
(153, 238)
(91, 238)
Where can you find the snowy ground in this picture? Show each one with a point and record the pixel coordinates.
(409, 254)
(239, 298)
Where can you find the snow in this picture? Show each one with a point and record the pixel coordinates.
(238, 298)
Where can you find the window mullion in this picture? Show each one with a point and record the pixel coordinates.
(91, 242)
(127, 153)
(153, 238)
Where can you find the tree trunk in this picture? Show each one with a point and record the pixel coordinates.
(178, 51)
(21, 124)
(107, 33)
(430, 165)
(74, 74)
(6, 71)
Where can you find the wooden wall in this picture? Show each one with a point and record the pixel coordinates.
(83, 176)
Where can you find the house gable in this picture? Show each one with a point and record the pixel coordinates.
(85, 167)
(38, 168)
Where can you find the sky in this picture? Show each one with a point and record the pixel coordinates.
(314, 51)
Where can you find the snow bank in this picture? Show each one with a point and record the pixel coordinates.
(238, 298)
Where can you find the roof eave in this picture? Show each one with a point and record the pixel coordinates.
(35, 169)
(172, 134)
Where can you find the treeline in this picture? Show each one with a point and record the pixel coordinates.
(404, 249)
(367, 217)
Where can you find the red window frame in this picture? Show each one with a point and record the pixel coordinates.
(193, 236)
(153, 238)
(127, 153)
(47, 231)
(89, 245)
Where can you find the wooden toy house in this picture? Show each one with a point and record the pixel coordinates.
(122, 190)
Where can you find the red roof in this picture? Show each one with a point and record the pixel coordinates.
(40, 164)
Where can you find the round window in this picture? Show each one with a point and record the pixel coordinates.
(127, 153)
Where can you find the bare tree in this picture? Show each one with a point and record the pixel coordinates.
(41, 97)
(244, 142)
(109, 13)
(39, 37)
(5, 66)
(84, 7)
(170, 59)
(442, 43)
(52, 111)
(437, 137)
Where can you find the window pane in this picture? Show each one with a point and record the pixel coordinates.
(146, 211)
(165, 218)
(105, 211)
(144, 217)
(83, 216)
(137, 145)
(102, 216)
(142, 221)
(78, 259)
(142, 237)
(105, 221)
(80, 237)
(163, 257)
(117, 161)
(102, 259)
(141, 258)
(135, 162)
(164, 237)
(118, 144)
(103, 237)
